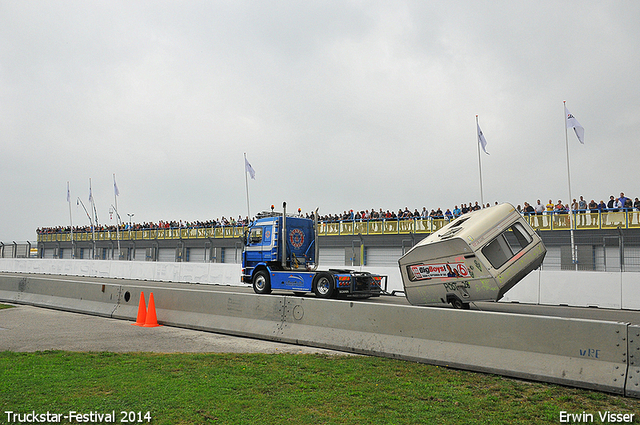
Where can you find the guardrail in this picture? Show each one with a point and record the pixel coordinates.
(545, 222)
(582, 353)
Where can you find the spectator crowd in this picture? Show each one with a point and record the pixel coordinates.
(614, 204)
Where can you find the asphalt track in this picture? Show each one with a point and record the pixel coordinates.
(27, 329)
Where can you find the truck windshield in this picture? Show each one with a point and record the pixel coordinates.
(256, 235)
(499, 250)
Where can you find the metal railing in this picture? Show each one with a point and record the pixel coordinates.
(147, 234)
(584, 220)
(545, 222)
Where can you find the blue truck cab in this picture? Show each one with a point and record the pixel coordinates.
(281, 253)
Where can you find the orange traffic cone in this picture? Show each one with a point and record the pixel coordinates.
(142, 312)
(151, 319)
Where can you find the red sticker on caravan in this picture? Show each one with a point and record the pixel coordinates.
(429, 271)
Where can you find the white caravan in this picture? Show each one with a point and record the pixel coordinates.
(476, 257)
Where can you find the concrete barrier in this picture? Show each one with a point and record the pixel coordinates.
(65, 294)
(632, 386)
(577, 289)
(630, 291)
(581, 353)
(215, 273)
(614, 290)
(245, 315)
(580, 289)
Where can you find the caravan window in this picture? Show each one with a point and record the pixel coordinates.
(499, 250)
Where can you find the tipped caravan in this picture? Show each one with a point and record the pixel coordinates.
(476, 257)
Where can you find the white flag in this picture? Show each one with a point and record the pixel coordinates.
(572, 122)
(115, 186)
(249, 169)
(482, 140)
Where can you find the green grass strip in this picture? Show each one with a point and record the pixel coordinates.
(282, 389)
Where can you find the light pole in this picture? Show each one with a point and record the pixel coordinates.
(133, 244)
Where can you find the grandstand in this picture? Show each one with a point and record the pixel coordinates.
(604, 240)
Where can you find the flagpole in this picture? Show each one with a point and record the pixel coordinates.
(246, 183)
(115, 199)
(73, 251)
(479, 165)
(93, 221)
(571, 221)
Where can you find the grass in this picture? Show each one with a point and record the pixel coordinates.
(282, 389)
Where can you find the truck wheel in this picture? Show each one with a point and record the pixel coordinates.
(261, 282)
(323, 285)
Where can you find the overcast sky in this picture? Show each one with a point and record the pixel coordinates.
(338, 105)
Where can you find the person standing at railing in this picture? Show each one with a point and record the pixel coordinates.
(636, 206)
(593, 209)
(602, 207)
(610, 209)
(623, 201)
(539, 209)
(574, 211)
(550, 208)
(627, 208)
(528, 212)
(560, 209)
(620, 219)
(582, 209)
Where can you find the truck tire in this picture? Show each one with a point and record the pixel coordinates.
(261, 282)
(323, 285)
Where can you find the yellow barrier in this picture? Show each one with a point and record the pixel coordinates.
(544, 222)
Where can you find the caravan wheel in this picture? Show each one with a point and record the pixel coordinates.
(458, 304)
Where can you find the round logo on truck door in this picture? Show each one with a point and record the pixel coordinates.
(296, 238)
